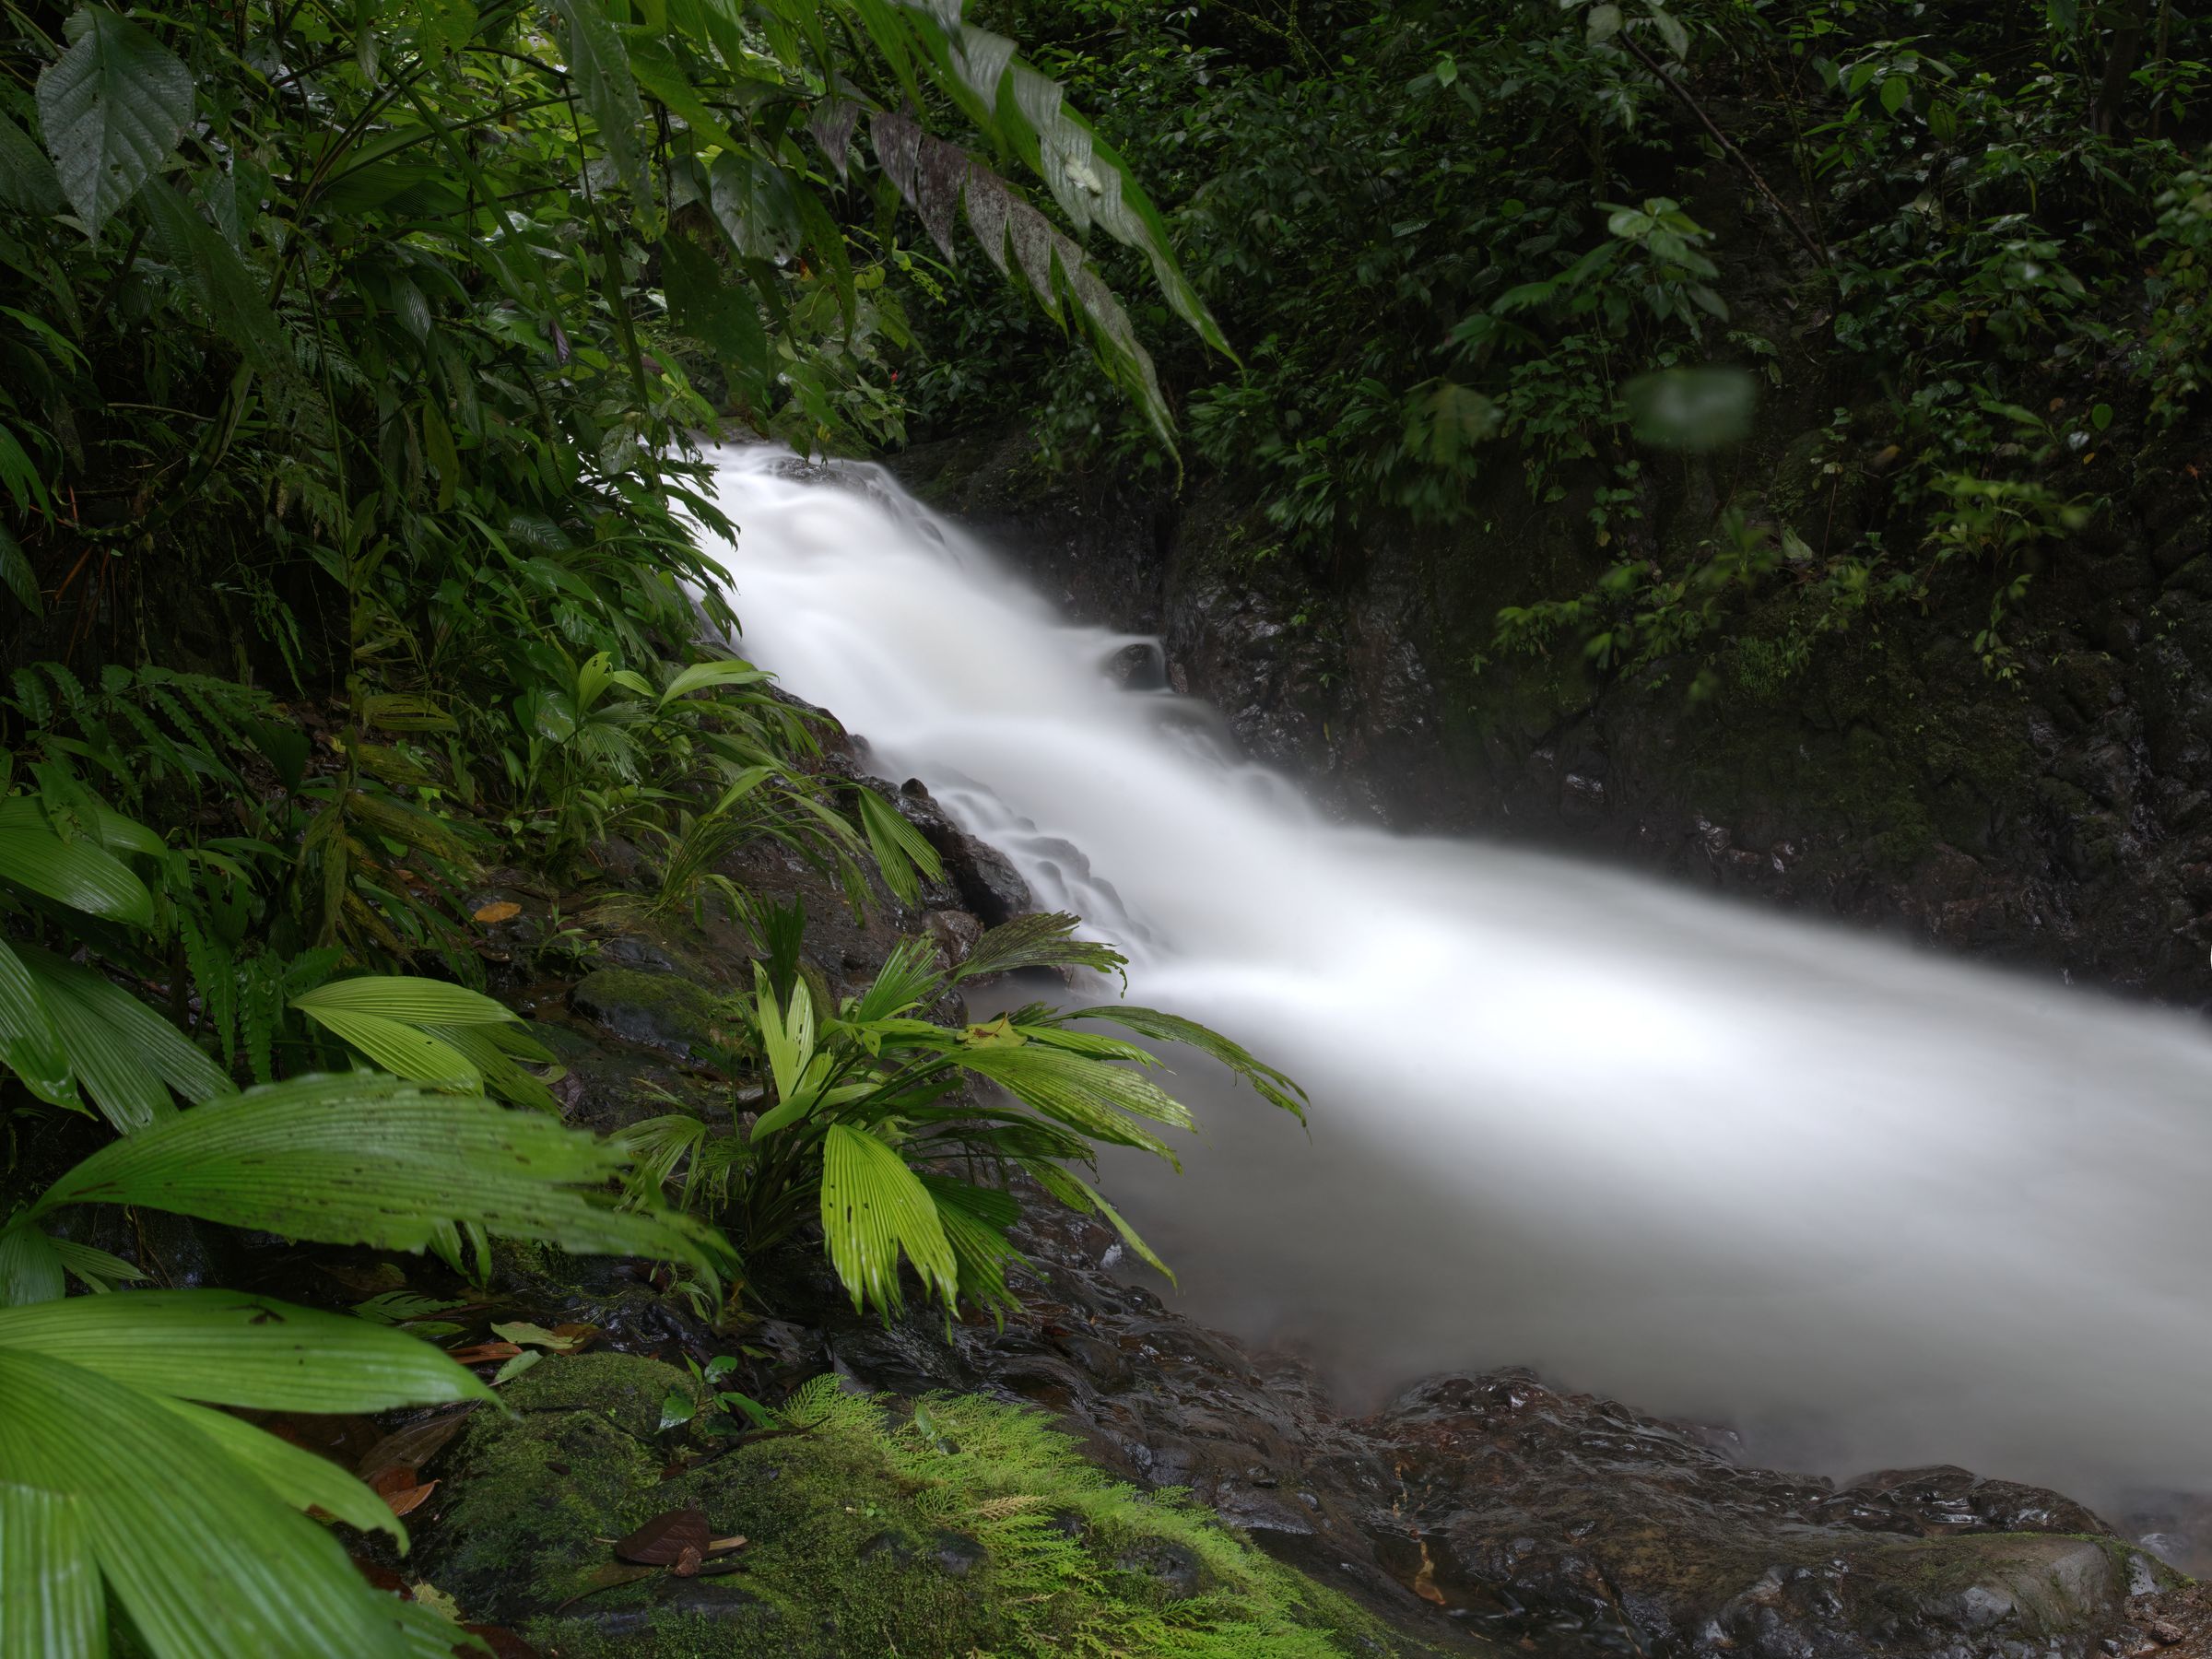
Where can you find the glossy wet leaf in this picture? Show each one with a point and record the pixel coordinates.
(371, 1160)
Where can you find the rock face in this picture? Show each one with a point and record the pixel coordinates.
(2060, 817)
(1493, 1509)
(1488, 1513)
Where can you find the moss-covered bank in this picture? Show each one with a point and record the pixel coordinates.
(873, 1527)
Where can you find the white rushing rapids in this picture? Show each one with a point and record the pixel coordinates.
(1869, 1206)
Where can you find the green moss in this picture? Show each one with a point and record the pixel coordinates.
(622, 1388)
(961, 1527)
(660, 1010)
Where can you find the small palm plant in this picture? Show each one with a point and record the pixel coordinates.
(869, 1119)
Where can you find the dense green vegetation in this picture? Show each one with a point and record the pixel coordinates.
(354, 359)
(1047, 1557)
(1532, 249)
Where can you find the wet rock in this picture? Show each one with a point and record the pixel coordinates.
(1498, 1509)
(987, 882)
(653, 1010)
(634, 950)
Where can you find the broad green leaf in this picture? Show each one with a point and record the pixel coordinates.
(29, 182)
(293, 1475)
(402, 1050)
(231, 295)
(229, 1348)
(721, 315)
(600, 74)
(30, 1046)
(900, 850)
(207, 1564)
(30, 1268)
(113, 107)
(97, 1269)
(1042, 941)
(50, 1599)
(704, 676)
(502, 1075)
(1089, 1096)
(113, 830)
(363, 1159)
(123, 1055)
(74, 873)
(873, 1208)
(16, 574)
(404, 997)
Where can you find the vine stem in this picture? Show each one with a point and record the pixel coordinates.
(1813, 245)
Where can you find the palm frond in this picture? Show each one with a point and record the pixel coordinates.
(874, 1207)
(1039, 941)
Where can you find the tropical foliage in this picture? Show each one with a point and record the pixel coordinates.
(351, 377)
(1491, 266)
(900, 1133)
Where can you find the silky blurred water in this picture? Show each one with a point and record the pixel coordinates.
(1868, 1205)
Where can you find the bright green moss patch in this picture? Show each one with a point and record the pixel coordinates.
(958, 1527)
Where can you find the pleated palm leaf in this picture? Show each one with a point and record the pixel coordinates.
(870, 1124)
(117, 1480)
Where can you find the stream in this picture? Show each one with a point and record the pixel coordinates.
(1866, 1206)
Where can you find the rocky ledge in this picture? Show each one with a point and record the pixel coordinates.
(1476, 1514)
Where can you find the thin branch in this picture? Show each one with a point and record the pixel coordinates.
(1813, 245)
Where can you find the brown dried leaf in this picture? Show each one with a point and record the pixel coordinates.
(400, 1494)
(665, 1538)
(504, 910)
(686, 1564)
(482, 1353)
(411, 1448)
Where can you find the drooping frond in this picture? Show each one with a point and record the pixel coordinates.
(1273, 1086)
(1040, 941)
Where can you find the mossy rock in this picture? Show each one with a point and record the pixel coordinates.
(662, 1011)
(963, 1526)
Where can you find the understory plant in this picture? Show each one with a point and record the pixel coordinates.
(120, 1485)
(901, 1135)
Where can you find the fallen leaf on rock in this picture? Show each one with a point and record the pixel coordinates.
(516, 1367)
(482, 1353)
(677, 1407)
(663, 1539)
(429, 1595)
(504, 910)
(401, 1495)
(412, 1447)
(534, 1335)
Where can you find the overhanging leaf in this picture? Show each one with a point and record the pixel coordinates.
(363, 1159)
(208, 1565)
(75, 872)
(230, 1349)
(113, 107)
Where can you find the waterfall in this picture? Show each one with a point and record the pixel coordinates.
(1866, 1204)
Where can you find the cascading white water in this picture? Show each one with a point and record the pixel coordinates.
(1871, 1206)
